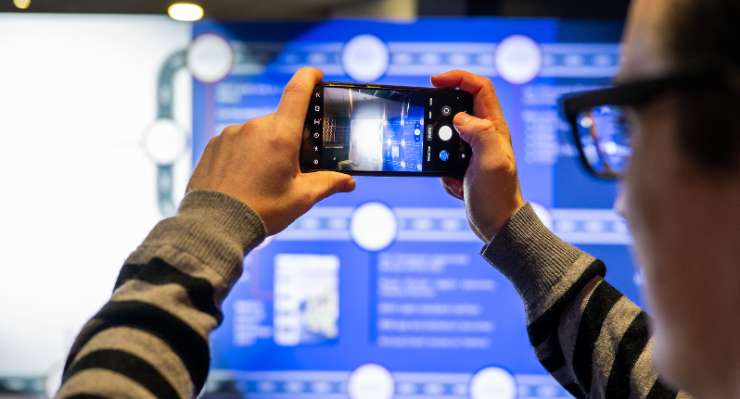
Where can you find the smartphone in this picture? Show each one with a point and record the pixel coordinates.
(378, 130)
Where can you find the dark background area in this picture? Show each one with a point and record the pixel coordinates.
(613, 9)
(313, 9)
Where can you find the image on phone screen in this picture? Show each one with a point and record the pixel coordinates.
(383, 131)
(373, 130)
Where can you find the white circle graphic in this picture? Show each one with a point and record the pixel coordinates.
(543, 214)
(492, 383)
(373, 226)
(518, 59)
(445, 133)
(210, 58)
(165, 141)
(365, 58)
(371, 381)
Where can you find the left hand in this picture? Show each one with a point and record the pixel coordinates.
(257, 162)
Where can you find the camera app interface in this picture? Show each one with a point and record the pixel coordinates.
(372, 130)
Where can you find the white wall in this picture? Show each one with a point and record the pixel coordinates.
(77, 191)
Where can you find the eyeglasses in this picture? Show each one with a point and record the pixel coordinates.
(598, 118)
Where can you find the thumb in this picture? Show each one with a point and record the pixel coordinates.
(471, 127)
(325, 184)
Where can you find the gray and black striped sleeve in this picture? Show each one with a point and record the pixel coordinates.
(151, 339)
(588, 335)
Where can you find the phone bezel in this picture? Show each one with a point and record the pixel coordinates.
(387, 173)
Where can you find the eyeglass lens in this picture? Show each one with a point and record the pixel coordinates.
(604, 138)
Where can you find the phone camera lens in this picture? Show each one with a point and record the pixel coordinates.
(446, 110)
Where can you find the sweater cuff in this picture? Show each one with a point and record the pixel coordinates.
(529, 255)
(216, 228)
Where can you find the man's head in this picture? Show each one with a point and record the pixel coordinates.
(683, 189)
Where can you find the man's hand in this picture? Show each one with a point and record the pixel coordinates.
(490, 188)
(257, 162)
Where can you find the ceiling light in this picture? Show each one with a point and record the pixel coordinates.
(22, 4)
(181, 11)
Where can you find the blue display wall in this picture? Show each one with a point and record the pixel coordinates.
(382, 292)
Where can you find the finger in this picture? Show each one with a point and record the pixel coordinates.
(486, 101)
(474, 130)
(326, 184)
(296, 97)
(453, 186)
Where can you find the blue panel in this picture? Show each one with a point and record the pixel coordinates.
(315, 303)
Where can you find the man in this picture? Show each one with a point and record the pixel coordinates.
(682, 197)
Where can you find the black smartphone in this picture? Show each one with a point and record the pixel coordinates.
(383, 130)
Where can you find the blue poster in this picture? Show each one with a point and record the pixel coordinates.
(382, 293)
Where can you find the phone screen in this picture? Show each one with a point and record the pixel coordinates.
(368, 130)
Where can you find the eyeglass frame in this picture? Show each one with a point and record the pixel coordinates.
(635, 94)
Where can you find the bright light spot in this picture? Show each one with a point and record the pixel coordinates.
(445, 133)
(492, 383)
(610, 148)
(373, 226)
(209, 58)
(403, 164)
(368, 135)
(518, 59)
(587, 122)
(22, 4)
(388, 141)
(185, 12)
(365, 58)
(403, 143)
(371, 381)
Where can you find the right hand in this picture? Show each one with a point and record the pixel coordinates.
(257, 162)
(490, 187)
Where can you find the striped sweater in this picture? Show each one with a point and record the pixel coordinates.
(151, 339)
(588, 335)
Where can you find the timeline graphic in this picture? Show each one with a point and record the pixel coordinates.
(382, 293)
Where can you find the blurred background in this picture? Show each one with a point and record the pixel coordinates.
(105, 108)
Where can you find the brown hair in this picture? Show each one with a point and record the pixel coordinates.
(706, 34)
